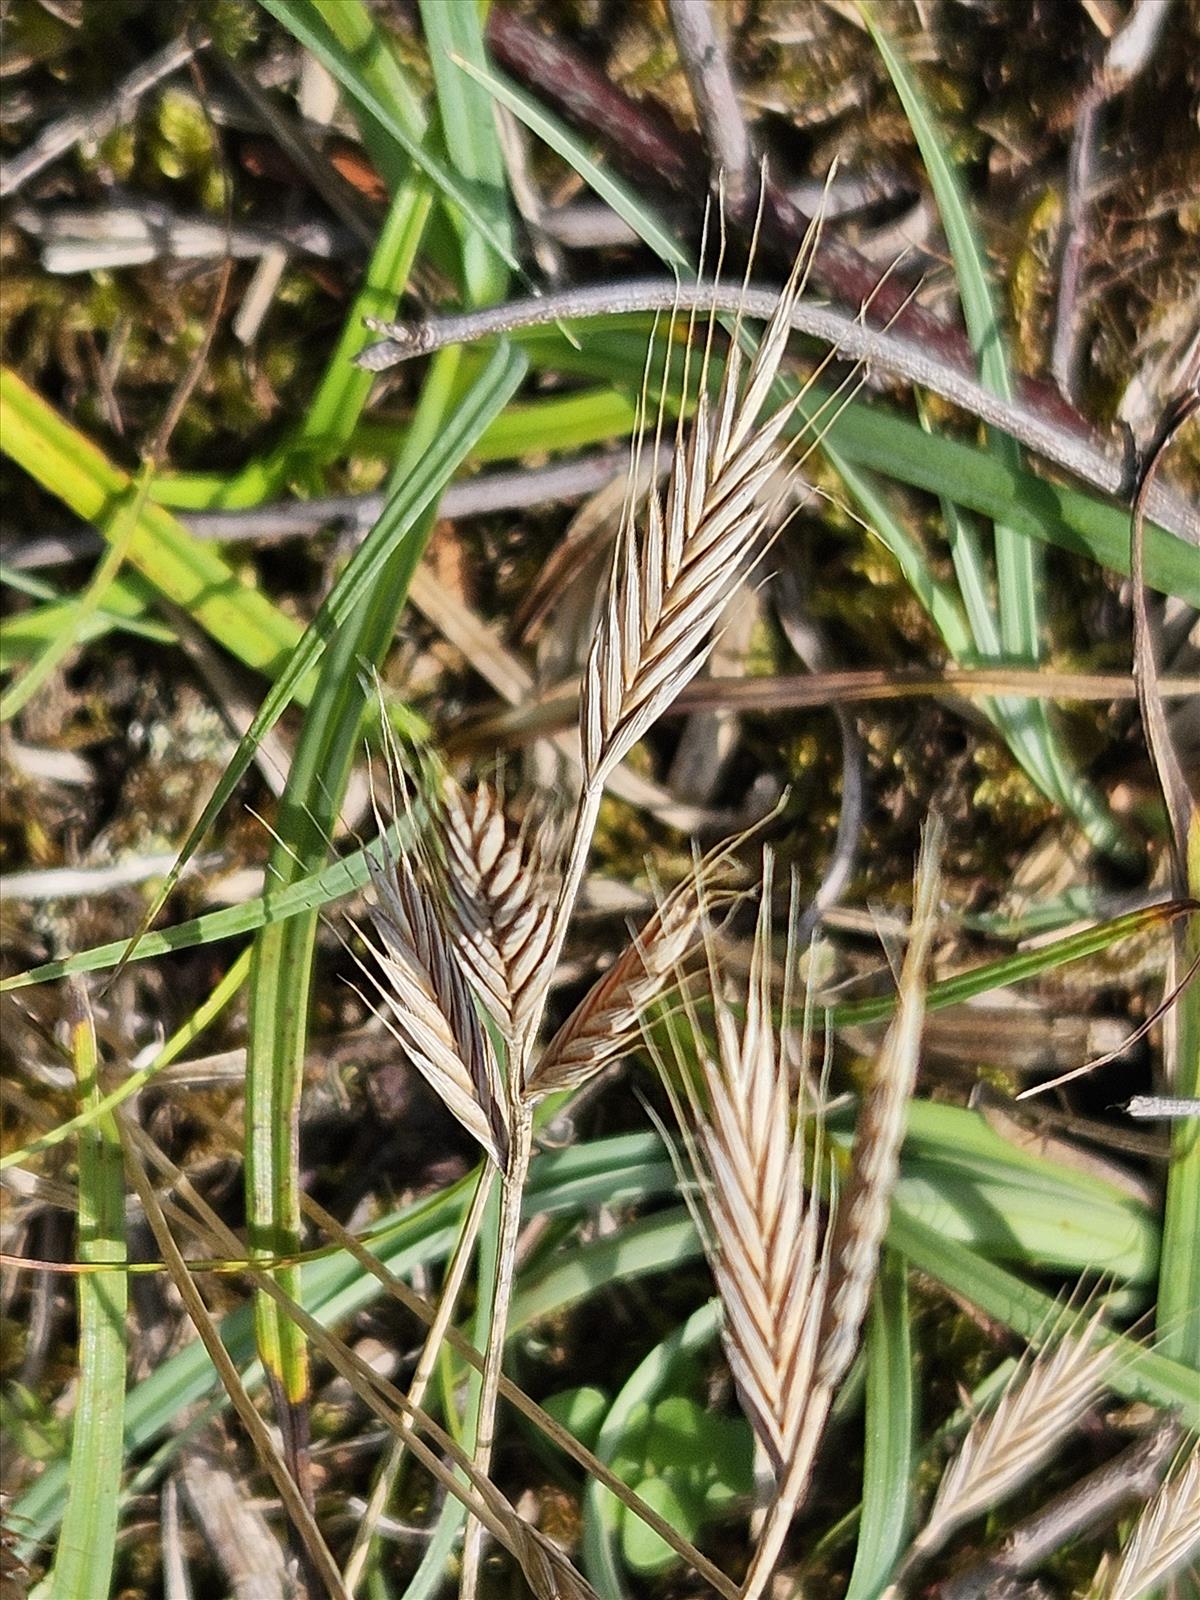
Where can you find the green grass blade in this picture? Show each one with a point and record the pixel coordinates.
(1019, 579)
(455, 37)
(879, 438)
(1178, 1309)
(564, 143)
(171, 1051)
(315, 30)
(84, 1559)
(890, 1433)
(340, 878)
(27, 633)
(1139, 1374)
(1020, 576)
(282, 957)
(85, 608)
(281, 968)
(1015, 968)
(337, 405)
(184, 570)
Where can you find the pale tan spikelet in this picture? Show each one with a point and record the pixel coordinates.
(865, 1202)
(761, 1232)
(609, 1018)
(1166, 1536)
(668, 589)
(1037, 1411)
(430, 1005)
(502, 887)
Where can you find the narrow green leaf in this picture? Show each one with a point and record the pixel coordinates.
(1178, 1311)
(890, 1433)
(85, 608)
(316, 32)
(1016, 968)
(183, 569)
(84, 1559)
(455, 38)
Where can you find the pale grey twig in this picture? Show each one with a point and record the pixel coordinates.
(711, 83)
(1161, 1107)
(851, 339)
(77, 239)
(355, 514)
(98, 120)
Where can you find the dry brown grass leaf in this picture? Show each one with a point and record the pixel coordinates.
(430, 1006)
(1165, 1537)
(668, 588)
(864, 1205)
(502, 887)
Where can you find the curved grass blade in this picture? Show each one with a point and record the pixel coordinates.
(1019, 571)
(1021, 966)
(601, 1511)
(888, 1463)
(59, 645)
(186, 571)
(84, 1559)
(340, 878)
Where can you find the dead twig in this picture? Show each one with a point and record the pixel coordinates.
(716, 101)
(100, 119)
(849, 338)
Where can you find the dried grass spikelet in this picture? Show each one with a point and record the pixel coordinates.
(1164, 1538)
(429, 1004)
(502, 887)
(793, 1302)
(1039, 1407)
(668, 588)
(609, 1018)
(865, 1199)
(761, 1229)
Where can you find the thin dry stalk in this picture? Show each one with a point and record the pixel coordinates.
(1166, 1535)
(549, 1573)
(381, 1491)
(1037, 1411)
